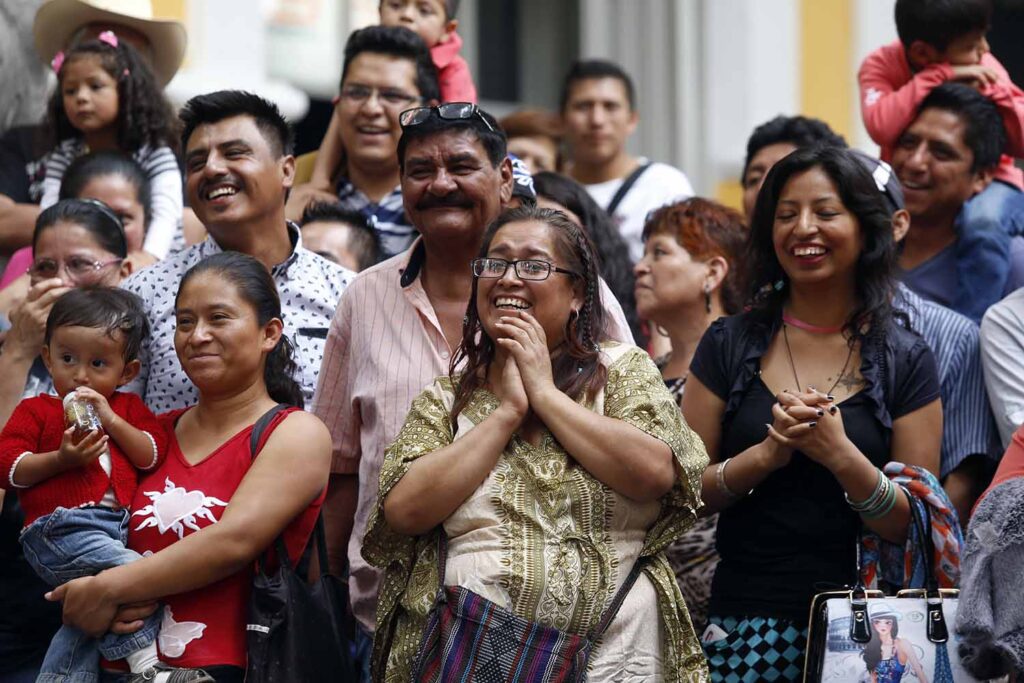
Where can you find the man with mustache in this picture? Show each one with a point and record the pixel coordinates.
(399, 323)
(386, 70)
(238, 170)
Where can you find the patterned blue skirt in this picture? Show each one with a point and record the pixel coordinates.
(756, 649)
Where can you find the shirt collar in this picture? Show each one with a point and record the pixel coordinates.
(210, 247)
(415, 256)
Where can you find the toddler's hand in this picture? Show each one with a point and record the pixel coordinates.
(975, 75)
(99, 402)
(87, 449)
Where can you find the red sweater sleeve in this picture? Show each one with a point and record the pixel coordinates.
(1010, 100)
(23, 432)
(135, 412)
(890, 95)
(456, 82)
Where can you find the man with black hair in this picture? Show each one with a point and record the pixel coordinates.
(340, 235)
(599, 113)
(773, 140)
(943, 41)
(947, 155)
(238, 170)
(400, 322)
(386, 70)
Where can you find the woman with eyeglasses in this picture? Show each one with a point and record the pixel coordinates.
(579, 471)
(77, 242)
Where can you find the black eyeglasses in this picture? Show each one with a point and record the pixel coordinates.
(450, 111)
(528, 269)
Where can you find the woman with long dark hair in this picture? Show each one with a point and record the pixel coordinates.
(887, 656)
(213, 506)
(578, 468)
(800, 401)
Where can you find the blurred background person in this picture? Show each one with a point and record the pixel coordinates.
(341, 235)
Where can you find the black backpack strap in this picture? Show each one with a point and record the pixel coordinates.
(254, 442)
(625, 187)
(261, 426)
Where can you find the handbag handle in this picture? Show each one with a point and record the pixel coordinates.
(279, 546)
(938, 632)
(606, 616)
(935, 626)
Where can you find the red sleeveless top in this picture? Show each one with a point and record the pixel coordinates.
(204, 627)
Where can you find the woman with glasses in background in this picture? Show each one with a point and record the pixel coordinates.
(579, 470)
(77, 243)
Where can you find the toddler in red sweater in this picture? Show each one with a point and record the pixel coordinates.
(73, 485)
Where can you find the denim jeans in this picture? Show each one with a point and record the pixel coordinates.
(69, 544)
(362, 653)
(985, 225)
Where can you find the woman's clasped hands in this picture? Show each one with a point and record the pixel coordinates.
(809, 422)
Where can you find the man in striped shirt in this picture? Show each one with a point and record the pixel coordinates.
(969, 435)
(398, 324)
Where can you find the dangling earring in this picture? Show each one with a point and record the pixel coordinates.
(465, 320)
(707, 298)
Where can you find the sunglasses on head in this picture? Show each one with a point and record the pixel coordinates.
(450, 111)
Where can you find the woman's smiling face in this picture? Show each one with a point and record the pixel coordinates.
(550, 301)
(816, 237)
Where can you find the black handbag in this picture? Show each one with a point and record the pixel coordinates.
(295, 630)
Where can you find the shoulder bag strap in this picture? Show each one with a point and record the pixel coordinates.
(625, 187)
(616, 603)
(254, 445)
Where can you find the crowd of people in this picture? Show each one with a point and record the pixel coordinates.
(686, 418)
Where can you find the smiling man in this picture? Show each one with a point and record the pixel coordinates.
(599, 113)
(386, 70)
(400, 322)
(947, 155)
(238, 170)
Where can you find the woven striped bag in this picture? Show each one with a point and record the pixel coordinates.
(469, 639)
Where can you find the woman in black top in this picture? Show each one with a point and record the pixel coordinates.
(790, 462)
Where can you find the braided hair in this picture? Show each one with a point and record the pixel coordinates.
(576, 365)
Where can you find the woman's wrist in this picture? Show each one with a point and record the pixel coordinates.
(772, 455)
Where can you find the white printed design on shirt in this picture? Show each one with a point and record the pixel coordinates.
(872, 96)
(176, 635)
(175, 508)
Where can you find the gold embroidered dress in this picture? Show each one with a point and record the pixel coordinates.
(547, 541)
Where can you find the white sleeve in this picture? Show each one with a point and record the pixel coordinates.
(161, 167)
(1002, 358)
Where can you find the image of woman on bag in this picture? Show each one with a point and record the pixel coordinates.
(801, 401)
(212, 508)
(535, 491)
(886, 655)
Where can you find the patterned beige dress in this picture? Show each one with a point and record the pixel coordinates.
(544, 539)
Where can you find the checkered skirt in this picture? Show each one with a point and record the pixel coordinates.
(756, 649)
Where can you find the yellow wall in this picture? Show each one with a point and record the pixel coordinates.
(827, 71)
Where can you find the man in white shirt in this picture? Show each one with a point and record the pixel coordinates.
(599, 114)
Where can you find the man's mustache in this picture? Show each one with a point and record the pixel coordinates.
(453, 200)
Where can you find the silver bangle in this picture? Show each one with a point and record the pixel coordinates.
(723, 488)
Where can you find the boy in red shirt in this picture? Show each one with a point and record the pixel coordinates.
(73, 486)
(940, 41)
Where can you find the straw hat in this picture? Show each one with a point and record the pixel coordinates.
(58, 20)
(882, 610)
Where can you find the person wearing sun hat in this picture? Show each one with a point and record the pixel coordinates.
(58, 25)
(62, 23)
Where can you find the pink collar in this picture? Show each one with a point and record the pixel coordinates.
(807, 327)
